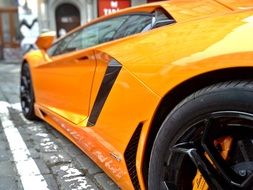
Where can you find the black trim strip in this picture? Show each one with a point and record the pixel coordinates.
(130, 156)
(111, 74)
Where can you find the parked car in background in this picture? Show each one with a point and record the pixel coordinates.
(159, 96)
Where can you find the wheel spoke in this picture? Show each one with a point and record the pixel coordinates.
(164, 186)
(25, 94)
(248, 183)
(208, 156)
(213, 179)
(220, 164)
(243, 151)
(25, 90)
(226, 172)
(24, 81)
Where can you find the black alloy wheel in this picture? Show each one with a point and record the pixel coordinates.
(207, 138)
(26, 93)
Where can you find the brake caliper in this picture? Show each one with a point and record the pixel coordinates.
(223, 145)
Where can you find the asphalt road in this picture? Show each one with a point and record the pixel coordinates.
(35, 156)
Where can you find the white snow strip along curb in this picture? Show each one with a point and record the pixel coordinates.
(29, 172)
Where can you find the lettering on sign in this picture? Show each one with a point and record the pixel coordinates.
(111, 6)
(109, 11)
(114, 4)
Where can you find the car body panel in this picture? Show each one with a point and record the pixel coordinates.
(183, 11)
(207, 37)
(237, 5)
(155, 67)
(109, 136)
(66, 71)
(176, 62)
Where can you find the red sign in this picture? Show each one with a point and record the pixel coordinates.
(106, 7)
(152, 1)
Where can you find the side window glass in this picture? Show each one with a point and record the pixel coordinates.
(103, 31)
(60, 47)
(108, 28)
(95, 34)
(52, 49)
(85, 38)
(135, 24)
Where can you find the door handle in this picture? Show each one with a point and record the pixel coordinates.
(83, 58)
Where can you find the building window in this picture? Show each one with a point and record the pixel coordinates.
(8, 27)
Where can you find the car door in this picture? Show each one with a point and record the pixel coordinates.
(70, 71)
(69, 75)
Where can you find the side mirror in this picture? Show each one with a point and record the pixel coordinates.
(45, 40)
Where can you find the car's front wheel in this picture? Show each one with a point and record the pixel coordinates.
(26, 93)
(206, 142)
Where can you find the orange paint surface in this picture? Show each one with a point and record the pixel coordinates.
(207, 36)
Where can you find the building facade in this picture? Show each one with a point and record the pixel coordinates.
(9, 33)
(64, 15)
(26, 19)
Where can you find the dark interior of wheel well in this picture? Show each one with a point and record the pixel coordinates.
(176, 95)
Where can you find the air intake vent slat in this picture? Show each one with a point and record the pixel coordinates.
(130, 157)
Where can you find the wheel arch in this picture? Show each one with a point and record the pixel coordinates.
(24, 61)
(29, 60)
(34, 58)
(181, 91)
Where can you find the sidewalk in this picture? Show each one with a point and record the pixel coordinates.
(4, 62)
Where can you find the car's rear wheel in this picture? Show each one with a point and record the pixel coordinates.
(206, 142)
(26, 93)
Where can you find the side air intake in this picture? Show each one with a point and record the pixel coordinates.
(130, 156)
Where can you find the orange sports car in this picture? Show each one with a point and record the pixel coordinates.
(159, 96)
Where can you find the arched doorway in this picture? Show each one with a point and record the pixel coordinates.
(67, 17)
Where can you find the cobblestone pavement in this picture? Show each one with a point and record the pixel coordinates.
(61, 165)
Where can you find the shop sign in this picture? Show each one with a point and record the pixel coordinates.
(106, 7)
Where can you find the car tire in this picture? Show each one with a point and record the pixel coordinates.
(26, 93)
(215, 112)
